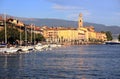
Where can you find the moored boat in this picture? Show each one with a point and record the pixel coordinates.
(9, 50)
(112, 43)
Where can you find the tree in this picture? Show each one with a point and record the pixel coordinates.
(102, 32)
(39, 37)
(12, 35)
(2, 35)
(119, 37)
(109, 36)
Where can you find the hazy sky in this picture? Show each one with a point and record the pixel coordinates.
(96, 11)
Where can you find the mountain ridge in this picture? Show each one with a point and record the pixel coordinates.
(54, 22)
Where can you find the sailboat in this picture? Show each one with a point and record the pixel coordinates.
(11, 49)
(26, 48)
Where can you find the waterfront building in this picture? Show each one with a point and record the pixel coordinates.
(63, 35)
(34, 29)
(50, 34)
(1, 23)
(101, 36)
(15, 21)
(72, 35)
(68, 35)
(84, 35)
(91, 33)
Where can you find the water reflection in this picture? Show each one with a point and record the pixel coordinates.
(75, 62)
(5, 64)
(9, 66)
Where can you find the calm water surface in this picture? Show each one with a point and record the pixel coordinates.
(72, 62)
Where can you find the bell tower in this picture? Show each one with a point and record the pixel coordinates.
(80, 21)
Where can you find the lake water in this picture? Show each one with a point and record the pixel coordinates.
(71, 62)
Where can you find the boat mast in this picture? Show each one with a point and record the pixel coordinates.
(25, 35)
(31, 33)
(5, 28)
(20, 36)
(34, 34)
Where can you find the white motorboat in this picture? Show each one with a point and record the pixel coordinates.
(24, 48)
(9, 50)
(112, 43)
(41, 47)
(27, 48)
(38, 46)
(12, 50)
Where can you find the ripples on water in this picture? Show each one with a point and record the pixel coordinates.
(73, 62)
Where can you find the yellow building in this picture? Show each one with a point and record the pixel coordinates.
(91, 33)
(101, 36)
(63, 35)
(84, 33)
(50, 34)
(72, 35)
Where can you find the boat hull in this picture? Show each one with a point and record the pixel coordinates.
(113, 43)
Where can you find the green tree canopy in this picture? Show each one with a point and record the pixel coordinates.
(13, 34)
(119, 37)
(39, 37)
(109, 35)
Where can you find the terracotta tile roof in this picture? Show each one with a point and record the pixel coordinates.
(1, 19)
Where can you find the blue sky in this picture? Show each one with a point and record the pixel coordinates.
(96, 11)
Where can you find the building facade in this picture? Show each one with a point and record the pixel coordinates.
(73, 35)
